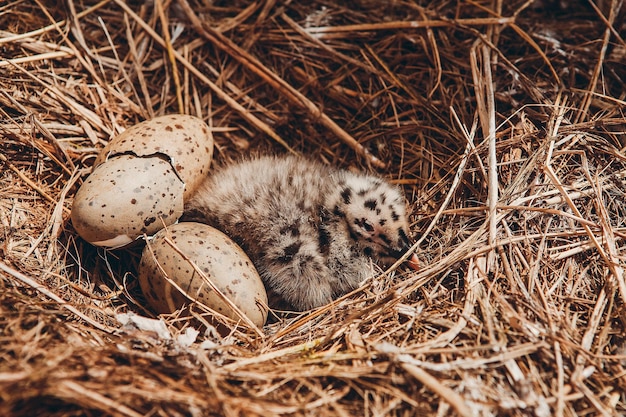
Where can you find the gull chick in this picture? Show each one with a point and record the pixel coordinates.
(310, 230)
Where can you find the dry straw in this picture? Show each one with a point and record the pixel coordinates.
(503, 121)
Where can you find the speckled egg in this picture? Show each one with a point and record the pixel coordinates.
(167, 260)
(125, 198)
(141, 180)
(184, 140)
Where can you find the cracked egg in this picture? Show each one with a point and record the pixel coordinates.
(141, 180)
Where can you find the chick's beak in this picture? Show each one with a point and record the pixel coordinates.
(413, 262)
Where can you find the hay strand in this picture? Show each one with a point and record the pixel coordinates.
(504, 123)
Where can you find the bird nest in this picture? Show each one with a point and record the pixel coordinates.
(504, 123)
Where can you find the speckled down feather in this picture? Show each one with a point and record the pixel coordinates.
(310, 230)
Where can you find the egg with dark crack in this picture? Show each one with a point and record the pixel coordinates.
(192, 262)
(141, 180)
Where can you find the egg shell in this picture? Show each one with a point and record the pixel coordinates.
(185, 140)
(222, 261)
(125, 198)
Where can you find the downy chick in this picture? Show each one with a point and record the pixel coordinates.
(309, 229)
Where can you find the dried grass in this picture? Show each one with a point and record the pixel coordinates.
(504, 124)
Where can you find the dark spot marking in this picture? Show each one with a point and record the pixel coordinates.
(133, 201)
(147, 222)
(292, 229)
(293, 248)
(168, 128)
(370, 204)
(394, 216)
(354, 235)
(385, 239)
(324, 241)
(363, 223)
(337, 212)
(368, 251)
(289, 252)
(382, 222)
(346, 194)
(403, 237)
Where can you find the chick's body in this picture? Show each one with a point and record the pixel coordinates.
(309, 229)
